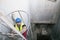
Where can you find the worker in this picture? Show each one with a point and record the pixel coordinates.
(20, 26)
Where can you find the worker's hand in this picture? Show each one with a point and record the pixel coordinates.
(12, 35)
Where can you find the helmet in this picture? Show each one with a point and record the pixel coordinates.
(18, 20)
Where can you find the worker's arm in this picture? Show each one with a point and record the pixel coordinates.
(23, 29)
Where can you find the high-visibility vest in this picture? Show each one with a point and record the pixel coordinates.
(19, 28)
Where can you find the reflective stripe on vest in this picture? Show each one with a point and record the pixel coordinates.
(19, 27)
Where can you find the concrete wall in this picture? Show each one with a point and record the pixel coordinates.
(56, 27)
(9, 6)
(44, 10)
